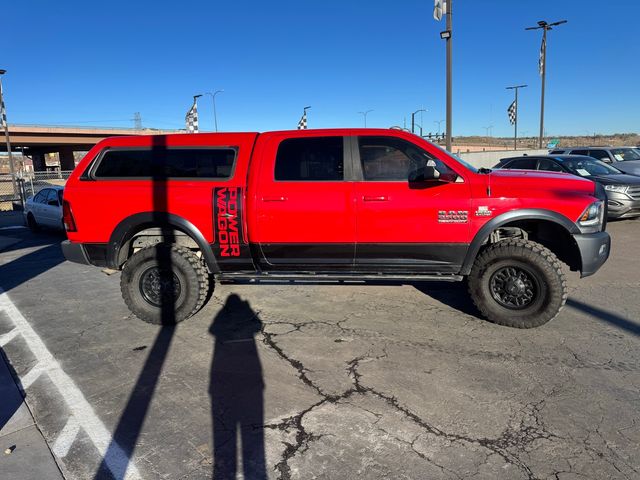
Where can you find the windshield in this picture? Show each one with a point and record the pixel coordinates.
(586, 167)
(624, 154)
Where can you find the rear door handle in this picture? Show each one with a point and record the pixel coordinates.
(274, 199)
(379, 198)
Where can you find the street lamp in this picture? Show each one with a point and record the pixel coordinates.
(364, 114)
(488, 132)
(213, 98)
(3, 120)
(542, 65)
(413, 118)
(439, 122)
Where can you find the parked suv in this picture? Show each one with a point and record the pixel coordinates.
(623, 191)
(175, 212)
(626, 159)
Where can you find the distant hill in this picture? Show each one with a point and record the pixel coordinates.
(615, 140)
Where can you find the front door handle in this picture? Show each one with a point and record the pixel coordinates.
(379, 198)
(274, 199)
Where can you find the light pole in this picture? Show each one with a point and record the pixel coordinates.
(542, 66)
(439, 122)
(3, 120)
(488, 130)
(364, 114)
(515, 122)
(446, 35)
(213, 99)
(413, 119)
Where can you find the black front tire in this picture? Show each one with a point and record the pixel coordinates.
(518, 283)
(180, 279)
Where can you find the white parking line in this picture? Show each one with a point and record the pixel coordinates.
(7, 337)
(65, 438)
(81, 412)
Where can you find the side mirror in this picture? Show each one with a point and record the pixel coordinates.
(53, 203)
(424, 174)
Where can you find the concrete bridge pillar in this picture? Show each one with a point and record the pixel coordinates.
(38, 162)
(67, 161)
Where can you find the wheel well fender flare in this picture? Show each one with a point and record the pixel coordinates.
(509, 217)
(127, 228)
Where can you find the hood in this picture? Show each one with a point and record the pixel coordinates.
(510, 182)
(617, 179)
(630, 166)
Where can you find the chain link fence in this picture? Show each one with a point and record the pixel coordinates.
(14, 190)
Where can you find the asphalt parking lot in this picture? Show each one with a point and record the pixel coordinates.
(325, 381)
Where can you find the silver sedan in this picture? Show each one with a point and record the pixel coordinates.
(44, 209)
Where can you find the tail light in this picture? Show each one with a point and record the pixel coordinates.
(67, 217)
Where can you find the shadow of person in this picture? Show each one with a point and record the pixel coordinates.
(236, 391)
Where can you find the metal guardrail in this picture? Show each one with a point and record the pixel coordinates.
(16, 189)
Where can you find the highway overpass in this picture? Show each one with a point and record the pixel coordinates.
(37, 140)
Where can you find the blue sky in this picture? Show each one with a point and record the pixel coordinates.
(96, 63)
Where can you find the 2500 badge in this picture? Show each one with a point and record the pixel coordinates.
(453, 216)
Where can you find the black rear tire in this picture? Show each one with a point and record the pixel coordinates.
(164, 284)
(518, 283)
(31, 223)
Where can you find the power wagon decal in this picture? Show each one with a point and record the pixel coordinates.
(230, 244)
(228, 221)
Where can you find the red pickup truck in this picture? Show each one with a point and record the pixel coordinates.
(174, 212)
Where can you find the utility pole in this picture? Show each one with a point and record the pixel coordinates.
(364, 114)
(542, 66)
(413, 119)
(3, 121)
(515, 123)
(137, 121)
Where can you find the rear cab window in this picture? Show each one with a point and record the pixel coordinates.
(173, 163)
(310, 159)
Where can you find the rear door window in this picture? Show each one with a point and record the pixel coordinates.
(167, 163)
(580, 152)
(52, 198)
(549, 165)
(522, 164)
(310, 159)
(600, 155)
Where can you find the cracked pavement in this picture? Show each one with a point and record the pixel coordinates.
(340, 381)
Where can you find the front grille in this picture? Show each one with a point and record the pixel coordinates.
(634, 192)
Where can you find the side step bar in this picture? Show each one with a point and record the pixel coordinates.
(334, 277)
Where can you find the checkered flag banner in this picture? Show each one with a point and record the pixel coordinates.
(192, 118)
(302, 124)
(3, 112)
(543, 49)
(512, 111)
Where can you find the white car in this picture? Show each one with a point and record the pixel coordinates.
(44, 209)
